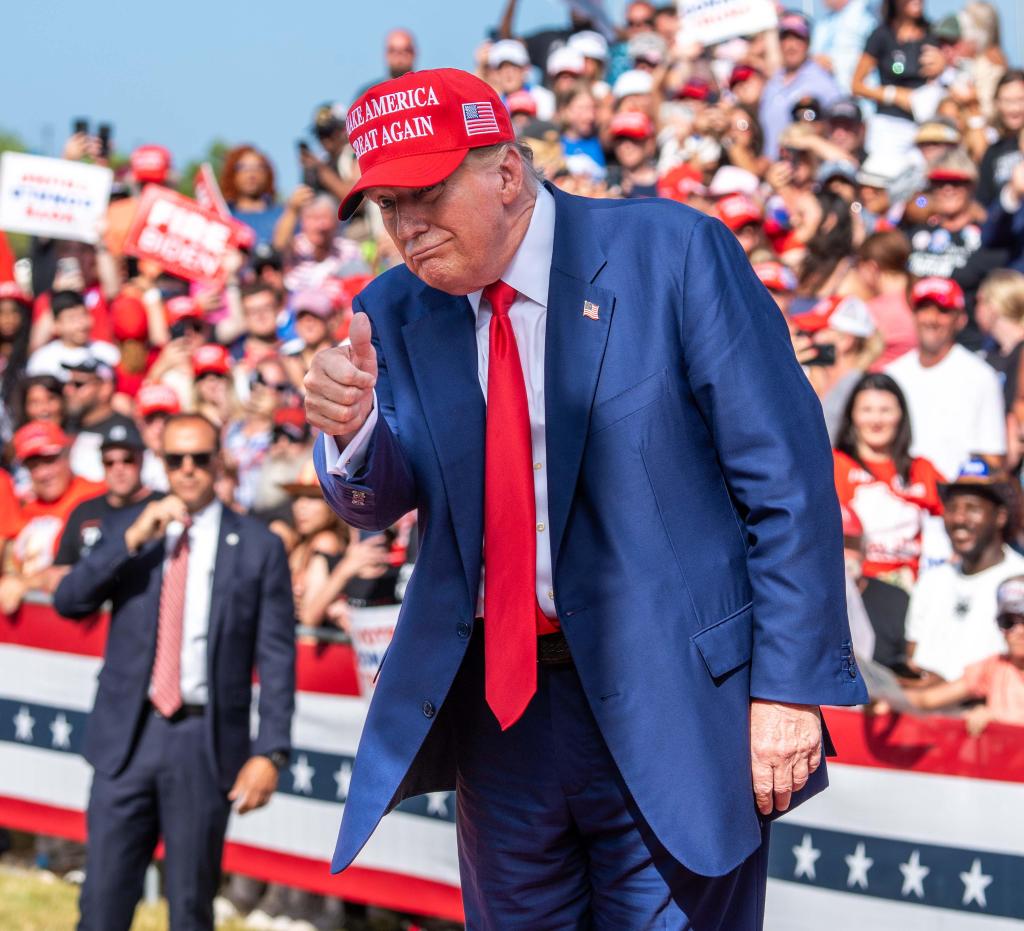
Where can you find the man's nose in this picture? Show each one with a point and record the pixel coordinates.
(409, 224)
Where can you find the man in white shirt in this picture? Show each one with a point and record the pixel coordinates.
(955, 399)
(72, 324)
(951, 621)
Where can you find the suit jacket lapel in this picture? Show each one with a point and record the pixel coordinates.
(442, 352)
(223, 574)
(575, 345)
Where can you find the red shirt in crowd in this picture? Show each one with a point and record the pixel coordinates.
(1001, 684)
(891, 512)
(895, 321)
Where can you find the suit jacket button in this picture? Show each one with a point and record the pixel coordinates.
(428, 710)
(853, 671)
(463, 629)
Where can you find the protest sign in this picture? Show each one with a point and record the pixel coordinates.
(52, 197)
(712, 21)
(175, 231)
(209, 196)
(371, 630)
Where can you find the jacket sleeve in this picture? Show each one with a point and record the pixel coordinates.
(383, 489)
(275, 653)
(769, 432)
(91, 580)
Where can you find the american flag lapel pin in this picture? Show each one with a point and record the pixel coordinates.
(591, 310)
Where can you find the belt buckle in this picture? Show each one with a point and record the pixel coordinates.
(553, 650)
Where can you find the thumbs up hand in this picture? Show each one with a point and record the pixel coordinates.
(339, 384)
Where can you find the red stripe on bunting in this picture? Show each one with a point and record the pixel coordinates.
(357, 884)
(932, 744)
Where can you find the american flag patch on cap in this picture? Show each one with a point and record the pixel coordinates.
(479, 118)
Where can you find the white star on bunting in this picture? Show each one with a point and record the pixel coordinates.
(437, 803)
(23, 724)
(61, 730)
(914, 873)
(343, 777)
(858, 864)
(302, 775)
(806, 856)
(975, 883)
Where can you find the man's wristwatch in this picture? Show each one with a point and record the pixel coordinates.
(279, 758)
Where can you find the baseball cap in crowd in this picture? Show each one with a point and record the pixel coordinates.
(731, 179)
(291, 422)
(878, 171)
(845, 108)
(681, 183)
(938, 132)
(211, 359)
(150, 164)
(737, 211)
(1010, 597)
(82, 360)
(836, 169)
(124, 435)
(328, 118)
(807, 110)
(181, 308)
(157, 399)
(306, 484)
(565, 60)
(776, 277)
(414, 131)
(128, 318)
(647, 47)
(980, 476)
(631, 125)
(632, 82)
(695, 89)
(742, 73)
(954, 166)
(39, 438)
(590, 44)
(265, 255)
(794, 24)
(946, 30)
(944, 292)
(316, 303)
(9, 291)
(842, 314)
(521, 101)
(508, 51)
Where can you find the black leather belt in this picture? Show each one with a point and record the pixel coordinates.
(553, 650)
(185, 711)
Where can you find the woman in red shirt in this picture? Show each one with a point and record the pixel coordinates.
(891, 492)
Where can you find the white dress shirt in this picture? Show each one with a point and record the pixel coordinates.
(528, 272)
(202, 557)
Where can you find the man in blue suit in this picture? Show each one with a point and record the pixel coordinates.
(199, 597)
(595, 408)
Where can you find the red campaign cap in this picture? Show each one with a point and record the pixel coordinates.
(742, 73)
(942, 291)
(150, 163)
(681, 182)
(951, 173)
(737, 211)
(415, 130)
(631, 124)
(157, 398)
(776, 277)
(211, 358)
(9, 291)
(39, 438)
(181, 308)
(694, 89)
(128, 318)
(521, 101)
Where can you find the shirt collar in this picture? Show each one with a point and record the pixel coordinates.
(529, 272)
(203, 520)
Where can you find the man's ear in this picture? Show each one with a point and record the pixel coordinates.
(513, 175)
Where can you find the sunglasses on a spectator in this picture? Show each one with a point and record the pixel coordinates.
(33, 462)
(125, 459)
(1009, 621)
(201, 460)
(637, 23)
(77, 383)
(272, 385)
(949, 182)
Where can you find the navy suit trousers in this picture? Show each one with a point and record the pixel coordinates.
(550, 838)
(167, 790)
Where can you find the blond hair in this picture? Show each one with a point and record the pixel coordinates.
(1003, 290)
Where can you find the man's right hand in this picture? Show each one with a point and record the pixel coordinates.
(152, 523)
(339, 384)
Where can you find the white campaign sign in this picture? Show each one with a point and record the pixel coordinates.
(711, 21)
(52, 197)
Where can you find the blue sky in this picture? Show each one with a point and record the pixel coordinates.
(244, 72)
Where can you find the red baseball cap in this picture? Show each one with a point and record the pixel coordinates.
(942, 291)
(737, 211)
(128, 318)
(150, 163)
(631, 124)
(181, 308)
(681, 182)
(776, 277)
(694, 89)
(521, 101)
(39, 438)
(157, 399)
(211, 358)
(415, 130)
(742, 73)
(9, 291)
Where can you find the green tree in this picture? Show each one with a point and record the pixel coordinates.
(11, 142)
(215, 153)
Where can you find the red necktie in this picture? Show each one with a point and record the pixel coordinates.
(165, 684)
(510, 542)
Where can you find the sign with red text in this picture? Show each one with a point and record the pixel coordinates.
(209, 196)
(712, 21)
(177, 232)
(52, 197)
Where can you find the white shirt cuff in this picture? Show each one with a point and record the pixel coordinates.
(345, 463)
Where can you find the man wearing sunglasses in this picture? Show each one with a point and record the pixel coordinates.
(88, 393)
(200, 596)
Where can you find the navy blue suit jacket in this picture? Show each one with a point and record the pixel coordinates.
(695, 531)
(252, 624)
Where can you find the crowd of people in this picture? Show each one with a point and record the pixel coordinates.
(871, 165)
